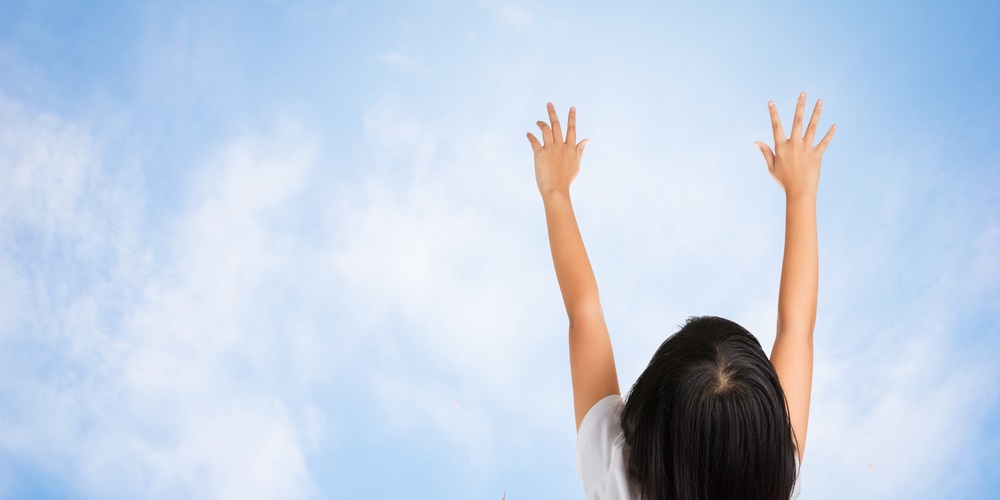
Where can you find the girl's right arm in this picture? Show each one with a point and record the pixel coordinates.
(795, 165)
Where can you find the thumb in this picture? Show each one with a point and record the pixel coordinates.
(768, 155)
(583, 144)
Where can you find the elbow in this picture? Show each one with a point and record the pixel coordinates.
(584, 311)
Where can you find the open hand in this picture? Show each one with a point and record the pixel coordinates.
(557, 161)
(794, 164)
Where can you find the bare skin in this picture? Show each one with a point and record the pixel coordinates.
(592, 362)
(794, 164)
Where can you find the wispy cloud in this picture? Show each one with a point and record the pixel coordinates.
(159, 390)
(400, 61)
(46, 170)
(514, 14)
(201, 299)
(427, 243)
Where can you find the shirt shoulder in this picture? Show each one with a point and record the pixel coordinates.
(798, 483)
(601, 451)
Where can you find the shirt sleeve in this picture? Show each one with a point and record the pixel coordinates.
(596, 442)
(798, 483)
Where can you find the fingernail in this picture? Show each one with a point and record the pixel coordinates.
(770, 104)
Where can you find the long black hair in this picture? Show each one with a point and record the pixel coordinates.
(707, 419)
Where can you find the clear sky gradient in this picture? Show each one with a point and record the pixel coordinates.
(294, 249)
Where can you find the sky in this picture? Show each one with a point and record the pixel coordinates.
(295, 249)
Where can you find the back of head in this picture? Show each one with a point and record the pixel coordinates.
(707, 419)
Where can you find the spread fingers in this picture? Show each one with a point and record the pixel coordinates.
(546, 132)
(800, 108)
(779, 133)
(556, 129)
(814, 122)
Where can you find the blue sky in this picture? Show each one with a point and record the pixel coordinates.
(295, 249)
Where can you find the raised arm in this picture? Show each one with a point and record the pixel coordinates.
(592, 362)
(795, 165)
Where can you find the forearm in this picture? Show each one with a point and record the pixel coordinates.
(573, 271)
(800, 268)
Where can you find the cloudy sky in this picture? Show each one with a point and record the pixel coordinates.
(295, 249)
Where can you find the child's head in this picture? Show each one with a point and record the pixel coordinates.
(707, 419)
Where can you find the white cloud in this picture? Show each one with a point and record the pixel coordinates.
(194, 345)
(193, 367)
(902, 407)
(901, 380)
(410, 405)
(400, 61)
(44, 170)
(435, 244)
(159, 374)
(515, 15)
(510, 13)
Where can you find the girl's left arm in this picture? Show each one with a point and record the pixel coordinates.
(592, 362)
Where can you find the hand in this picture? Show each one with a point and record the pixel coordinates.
(558, 161)
(794, 164)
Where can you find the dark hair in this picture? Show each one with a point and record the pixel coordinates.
(708, 419)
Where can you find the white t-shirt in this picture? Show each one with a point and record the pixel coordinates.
(601, 450)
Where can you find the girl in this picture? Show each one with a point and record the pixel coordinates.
(710, 417)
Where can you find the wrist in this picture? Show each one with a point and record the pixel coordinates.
(548, 194)
(800, 197)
